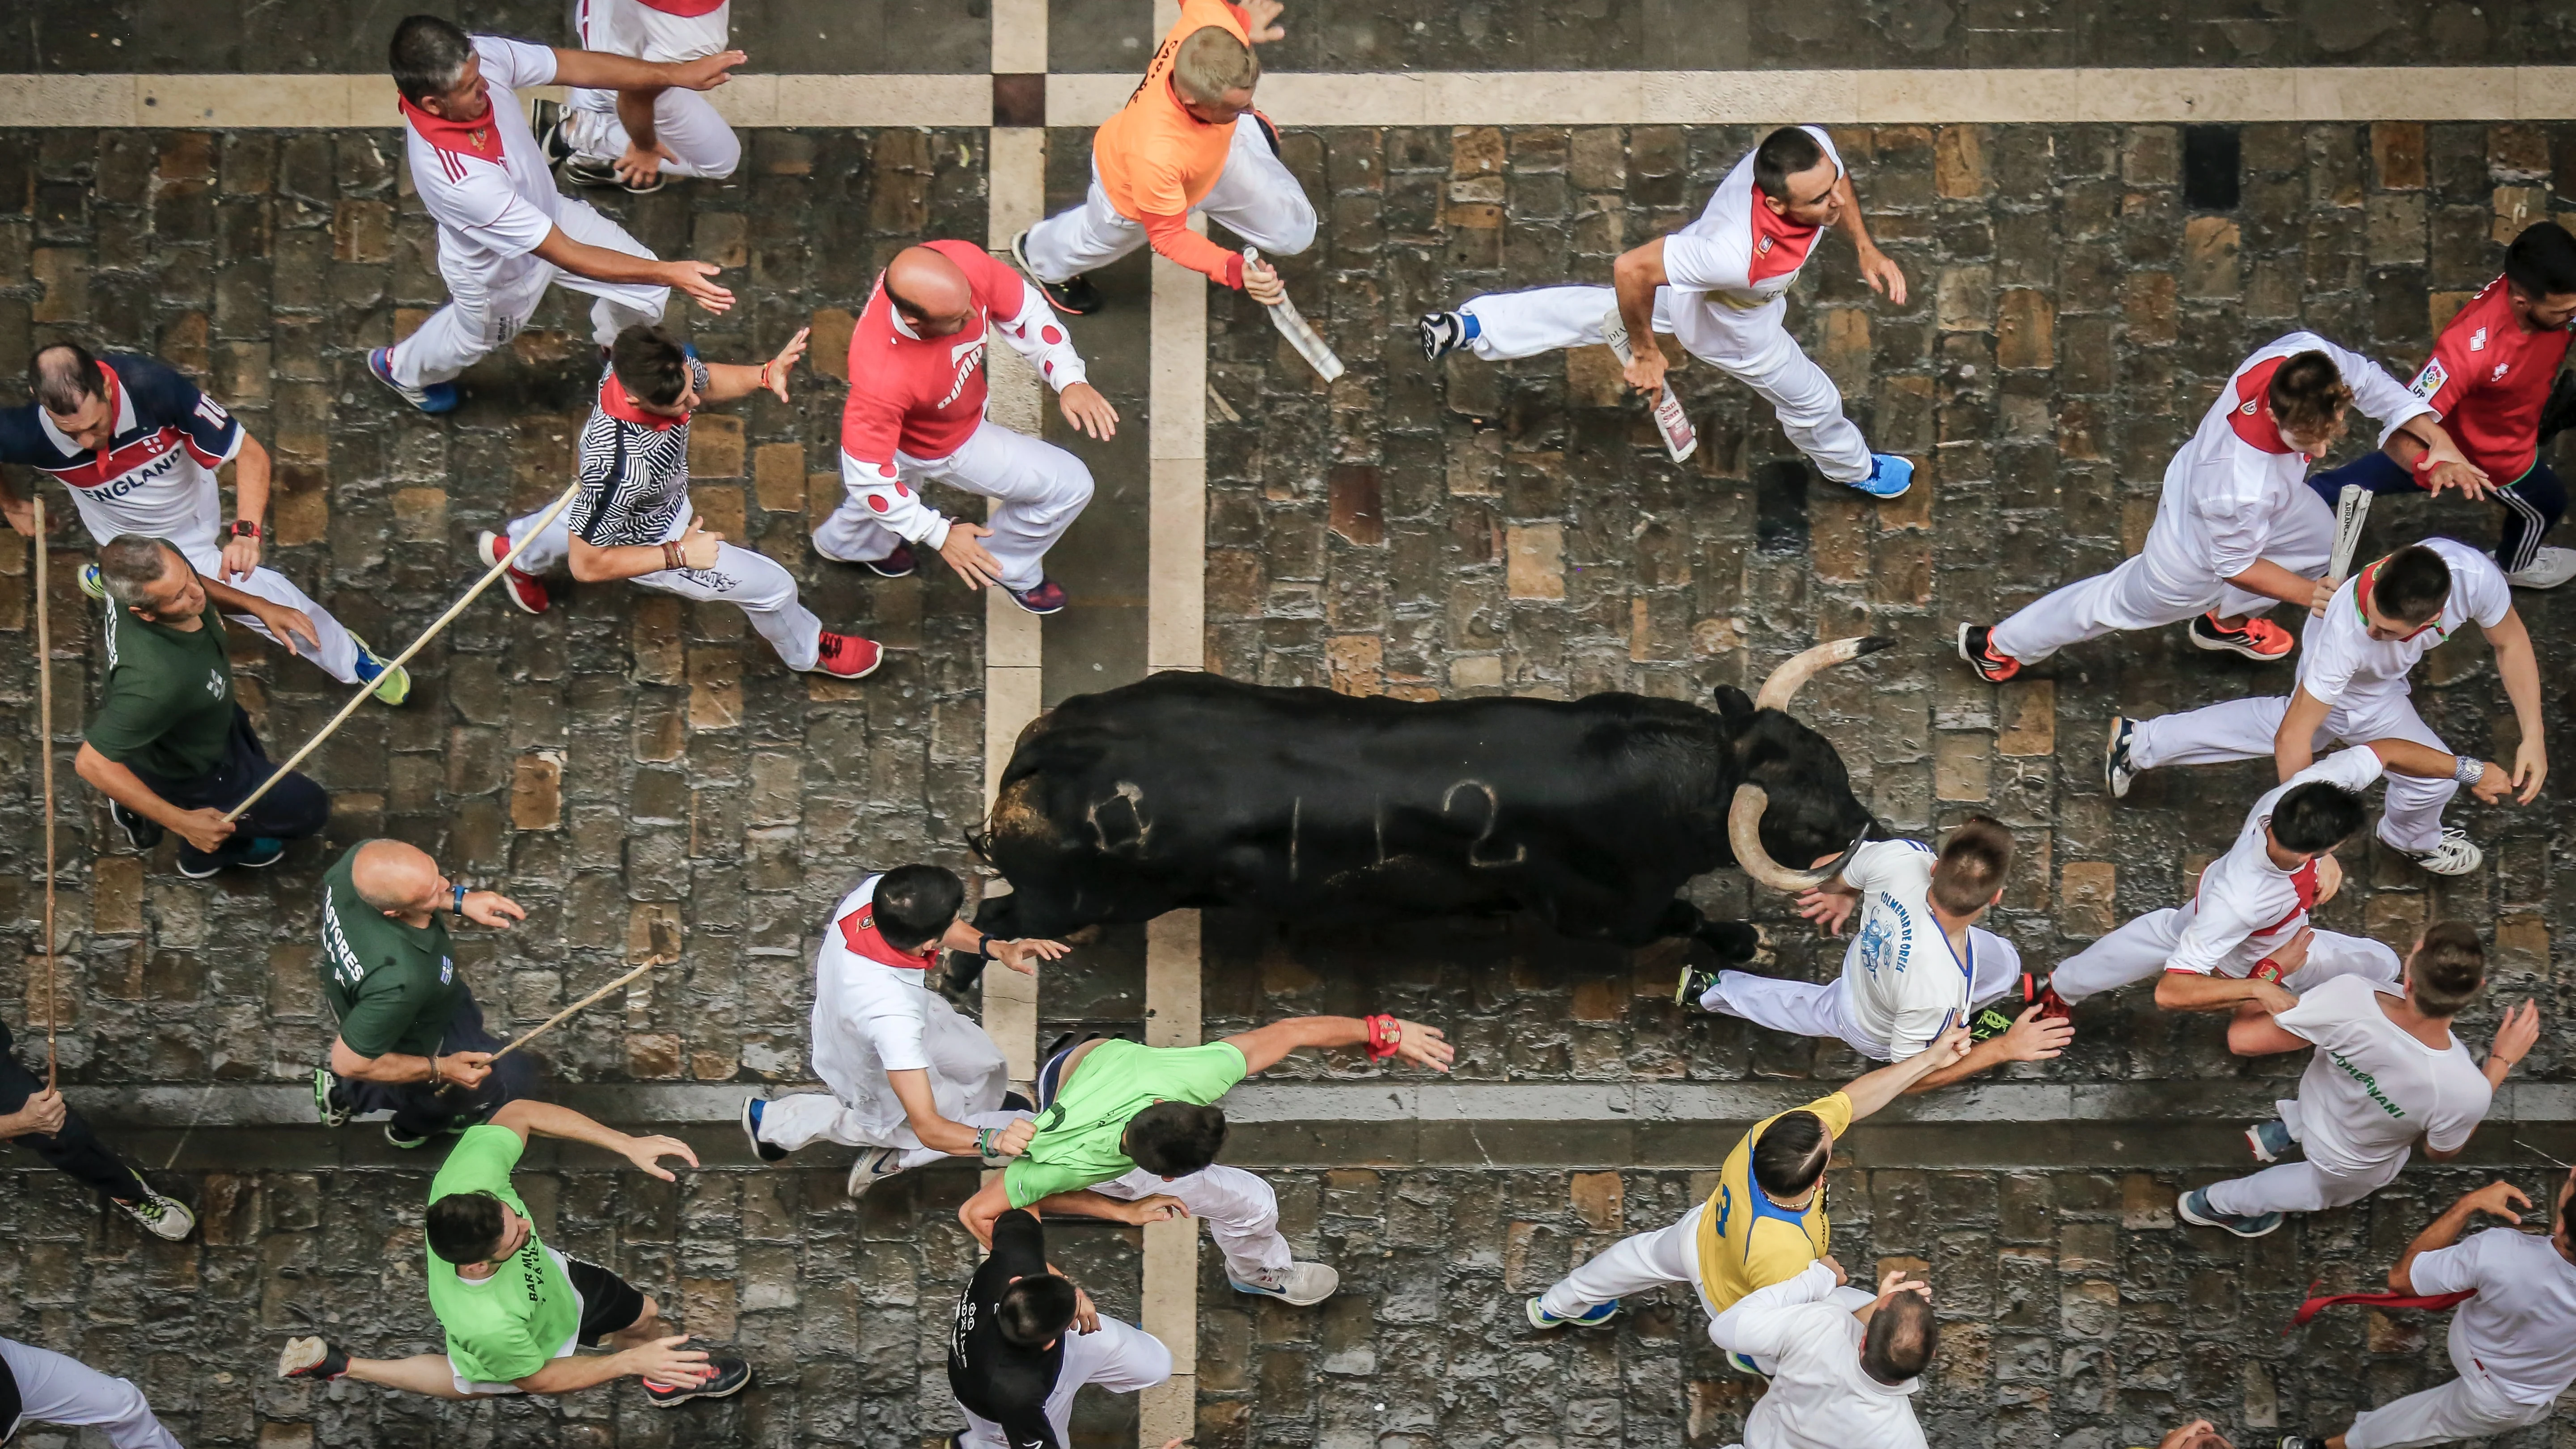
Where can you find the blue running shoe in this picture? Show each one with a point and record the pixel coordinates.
(1592, 1317)
(1743, 1363)
(392, 682)
(436, 397)
(1889, 476)
(2271, 1140)
(2195, 1209)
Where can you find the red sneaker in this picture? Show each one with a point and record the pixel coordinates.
(524, 589)
(847, 656)
(2258, 639)
(1976, 647)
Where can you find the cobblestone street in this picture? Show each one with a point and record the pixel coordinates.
(1426, 531)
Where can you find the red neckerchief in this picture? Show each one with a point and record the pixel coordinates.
(859, 933)
(2430, 1302)
(1779, 244)
(480, 140)
(2304, 882)
(614, 402)
(2361, 592)
(2252, 415)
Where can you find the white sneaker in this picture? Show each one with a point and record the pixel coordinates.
(874, 1166)
(166, 1218)
(2549, 567)
(2456, 855)
(1302, 1285)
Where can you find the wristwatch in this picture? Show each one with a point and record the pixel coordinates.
(245, 528)
(457, 902)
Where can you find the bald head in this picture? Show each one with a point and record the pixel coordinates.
(395, 878)
(929, 291)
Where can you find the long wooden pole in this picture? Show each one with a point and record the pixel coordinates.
(45, 750)
(544, 521)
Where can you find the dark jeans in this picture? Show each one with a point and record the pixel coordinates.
(420, 1109)
(2533, 503)
(295, 809)
(72, 1149)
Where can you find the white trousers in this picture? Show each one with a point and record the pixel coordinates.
(488, 308)
(338, 656)
(1041, 488)
(2244, 729)
(1121, 1358)
(1749, 344)
(798, 1122)
(1257, 198)
(2138, 952)
(1240, 1210)
(1824, 1008)
(55, 1389)
(2468, 1407)
(2150, 591)
(2302, 1187)
(752, 582)
(686, 124)
(1635, 1264)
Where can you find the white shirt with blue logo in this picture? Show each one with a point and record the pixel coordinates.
(1905, 983)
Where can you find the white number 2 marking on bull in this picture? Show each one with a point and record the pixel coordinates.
(1493, 817)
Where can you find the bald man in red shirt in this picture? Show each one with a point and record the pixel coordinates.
(915, 415)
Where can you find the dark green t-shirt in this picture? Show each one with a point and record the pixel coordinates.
(394, 986)
(168, 707)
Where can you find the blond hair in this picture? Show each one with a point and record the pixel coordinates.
(1211, 62)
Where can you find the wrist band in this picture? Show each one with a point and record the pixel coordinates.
(433, 1069)
(984, 946)
(672, 557)
(245, 528)
(1385, 1033)
(2468, 769)
(985, 1138)
(457, 904)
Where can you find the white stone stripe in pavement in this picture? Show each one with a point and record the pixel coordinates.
(1415, 98)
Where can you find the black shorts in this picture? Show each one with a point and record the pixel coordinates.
(609, 1304)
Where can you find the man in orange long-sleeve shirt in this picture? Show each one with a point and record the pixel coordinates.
(1188, 140)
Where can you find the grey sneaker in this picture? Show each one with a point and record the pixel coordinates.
(1303, 1284)
(2549, 567)
(2456, 855)
(2117, 772)
(2194, 1208)
(874, 1166)
(2271, 1140)
(163, 1217)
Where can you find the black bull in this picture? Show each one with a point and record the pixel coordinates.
(1188, 790)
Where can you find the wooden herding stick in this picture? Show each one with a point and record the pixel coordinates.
(45, 748)
(666, 949)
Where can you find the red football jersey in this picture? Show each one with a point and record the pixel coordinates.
(2487, 379)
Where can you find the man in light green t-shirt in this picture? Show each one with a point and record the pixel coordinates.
(1131, 1133)
(513, 1308)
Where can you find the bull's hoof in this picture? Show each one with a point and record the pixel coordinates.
(1734, 941)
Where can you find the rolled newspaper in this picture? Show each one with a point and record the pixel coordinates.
(1293, 326)
(1680, 439)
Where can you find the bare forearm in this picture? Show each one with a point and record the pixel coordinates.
(545, 1119)
(123, 786)
(232, 600)
(1888, 1083)
(1083, 1204)
(576, 1372)
(599, 70)
(392, 1067)
(2405, 757)
(599, 263)
(1851, 215)
(250, 480)
(2519, 665)
(2188, 991)
(727, 381)
(1984, 1056)
(635, 113)
(1635, 276)
(2442, 1232)
(592, 564)
(2275, 582)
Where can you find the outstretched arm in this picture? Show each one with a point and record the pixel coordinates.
(2519, 665)
(1635, 276)
(2029, 1040)
(544, 1119)
(1888, 1083)
(1876, 267)
(2498, 1198)
(1263, 1046)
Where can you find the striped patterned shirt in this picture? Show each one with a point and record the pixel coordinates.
(634, 470)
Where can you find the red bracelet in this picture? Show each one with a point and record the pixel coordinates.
(1385, 1033)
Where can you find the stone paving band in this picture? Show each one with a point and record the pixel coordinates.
(1535, 830)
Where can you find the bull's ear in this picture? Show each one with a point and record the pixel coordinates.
(1732, 703)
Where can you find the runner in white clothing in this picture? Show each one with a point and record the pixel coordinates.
(2512, 1339)
(1917, 966)
(911, 1080)
(504, 233)
(2244, 934)
(1720, 286)
(2386, 1072)
(2237, 529)
(39, 1386)
(1844, 1367)
(2352, 687)
(634, 138)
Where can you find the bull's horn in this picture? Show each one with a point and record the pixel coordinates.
(1744, 832)
(1794, 672)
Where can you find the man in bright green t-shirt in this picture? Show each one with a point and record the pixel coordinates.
(1131, 1133)
(513, 1308)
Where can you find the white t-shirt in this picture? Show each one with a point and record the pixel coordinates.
(2371, 1089)
(2247, 906)
(1906, 982)
(870, 1019)
(491, 211)
(2521, 1328)
(1819, 1397)
(1725, 251)
(2225, 497)
(2339, 661)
